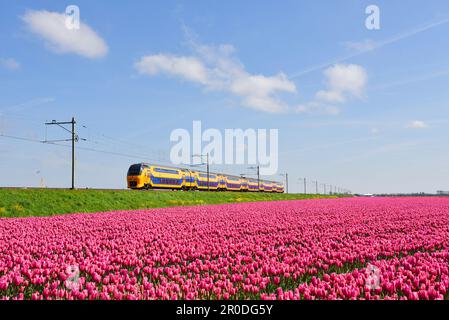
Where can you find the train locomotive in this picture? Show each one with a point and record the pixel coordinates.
(146, 176)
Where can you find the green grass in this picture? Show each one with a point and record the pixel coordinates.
(47, 202)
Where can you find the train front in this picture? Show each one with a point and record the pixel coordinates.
(135, 177)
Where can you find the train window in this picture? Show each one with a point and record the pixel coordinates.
(135, 170)
(162, 170)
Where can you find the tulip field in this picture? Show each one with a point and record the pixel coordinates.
(348, 248)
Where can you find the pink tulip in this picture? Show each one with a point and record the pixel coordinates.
(358, 248)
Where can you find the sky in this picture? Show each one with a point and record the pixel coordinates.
(363, 109)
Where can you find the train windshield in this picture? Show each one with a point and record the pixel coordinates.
(135, 170)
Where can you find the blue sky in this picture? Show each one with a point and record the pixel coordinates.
(364, 109)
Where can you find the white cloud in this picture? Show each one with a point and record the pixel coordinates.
(368, 45)
(216, 68)
(188, 68)
(417, 124)
(257, 91)
(317, 107)
(346, 78)
(330, 96)
(342, 81)
(9, 63)
(51, 27)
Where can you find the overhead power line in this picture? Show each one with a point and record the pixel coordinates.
(128, 155)
(96, 137)
(74, 139)
(19, 138)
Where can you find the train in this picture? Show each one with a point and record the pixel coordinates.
(142, 176)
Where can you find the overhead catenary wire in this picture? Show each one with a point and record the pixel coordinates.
(101, 135)
(127, 155)
(95, 137)
(131, 146)
(98, 138)
(133, 156)
(19, 138)
(108, 152)
(332, 189)
(140, 155)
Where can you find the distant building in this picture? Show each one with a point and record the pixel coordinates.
(443, 193)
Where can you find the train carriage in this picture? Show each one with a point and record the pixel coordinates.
(272, 186)
(164, 177)
(244, 184)
(279, 188)
(221, 182)
(253, 185)
(267, 187)
(144, 176)
(202, 181)
(261, 186)
(190, 179)
(233, 183)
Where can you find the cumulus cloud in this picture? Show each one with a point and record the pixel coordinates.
(188, 68)
(9, 63)
(51, 27)
(258, 91)
(217, 68)
(330, 96)
(343, 80)
(417, 124)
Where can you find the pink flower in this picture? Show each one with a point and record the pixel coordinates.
(318, 249)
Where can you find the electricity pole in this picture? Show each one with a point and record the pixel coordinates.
(286, 180)
(74, 139)
(258, 175)
(208, 184)
(207, 166)
(73, 153)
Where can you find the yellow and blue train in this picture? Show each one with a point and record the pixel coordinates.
(147, 176)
